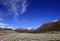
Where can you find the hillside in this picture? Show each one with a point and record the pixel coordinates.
(6, 30)
(51, 26)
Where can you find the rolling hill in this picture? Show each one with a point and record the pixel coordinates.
(51, 26)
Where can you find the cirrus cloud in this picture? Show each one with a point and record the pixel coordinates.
(3, 25)
(15, 7)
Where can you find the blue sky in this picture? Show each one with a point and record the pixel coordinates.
(28, 13)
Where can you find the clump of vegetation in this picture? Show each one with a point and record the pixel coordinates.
(4, 31)
(12, 39)
(53, 32)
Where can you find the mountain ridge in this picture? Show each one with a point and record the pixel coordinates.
(51, 26)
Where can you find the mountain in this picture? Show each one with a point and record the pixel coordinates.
(51, 26)
(21, 30)
(28, 30)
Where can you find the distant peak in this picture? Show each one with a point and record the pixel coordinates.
(55, 20)
(30, 28)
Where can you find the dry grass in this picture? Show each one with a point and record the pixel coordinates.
(36, 37)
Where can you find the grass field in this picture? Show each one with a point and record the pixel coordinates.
(6, 32)
(36, 37)
(47, 36)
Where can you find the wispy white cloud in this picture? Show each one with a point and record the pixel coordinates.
(15, 7)
(24, 6)
(3, 25)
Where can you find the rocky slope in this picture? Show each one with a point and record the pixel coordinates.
(51, 26)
